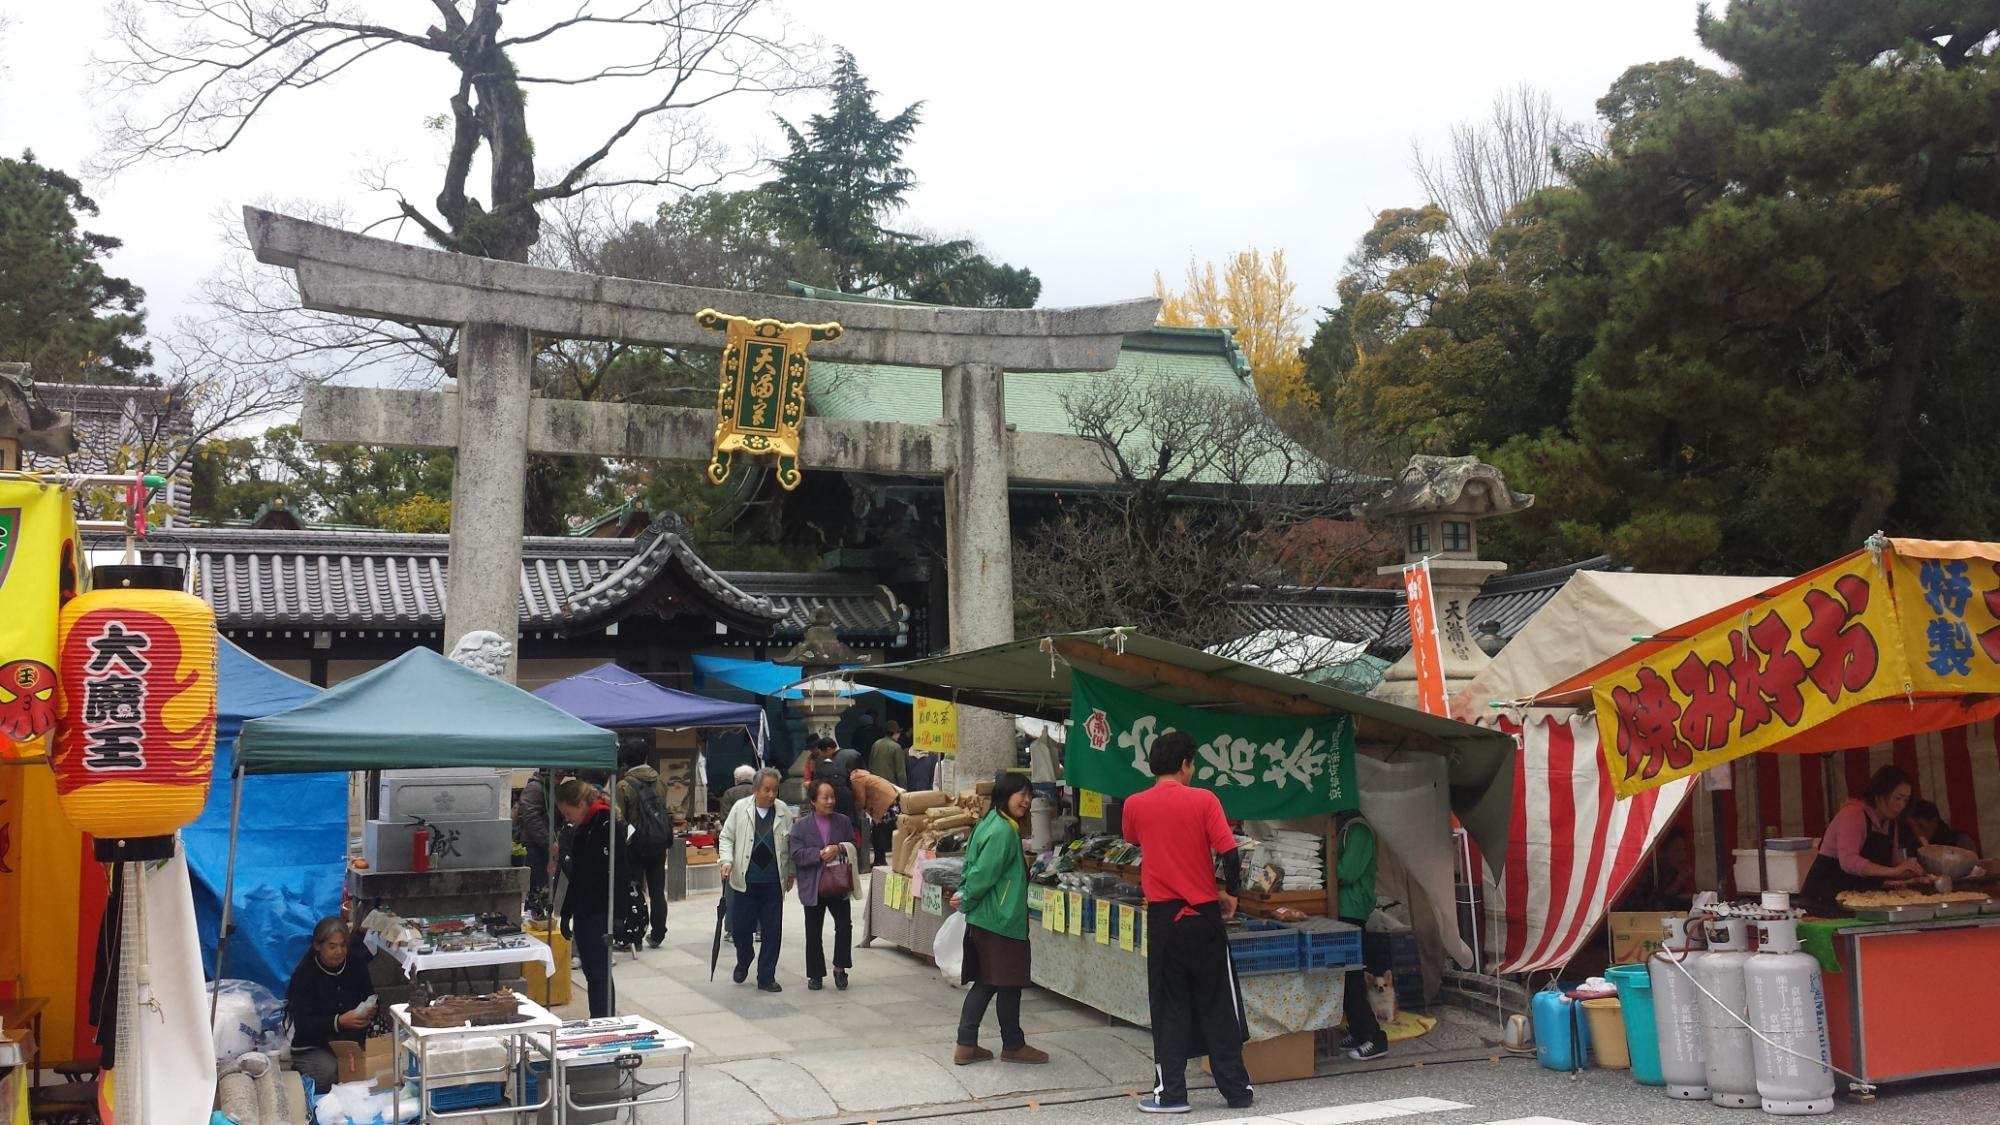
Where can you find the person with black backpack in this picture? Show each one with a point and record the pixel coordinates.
(642, 805)
(833, 764)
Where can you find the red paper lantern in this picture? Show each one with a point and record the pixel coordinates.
(135, 744)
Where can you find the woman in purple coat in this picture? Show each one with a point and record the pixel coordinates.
(819, 838)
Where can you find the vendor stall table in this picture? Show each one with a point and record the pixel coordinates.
(1113, 981)
(25, 1012)
(1900, 983)
(414, 962)
(660, 1044)
(914, 929)
(530, 1040)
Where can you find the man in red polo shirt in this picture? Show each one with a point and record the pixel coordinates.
(1197, 1008)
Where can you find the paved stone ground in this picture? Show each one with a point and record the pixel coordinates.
(884, 1045)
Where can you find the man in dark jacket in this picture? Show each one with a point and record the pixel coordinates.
(531, 831)
(651, 864)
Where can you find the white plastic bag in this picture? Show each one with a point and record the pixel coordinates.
(949, 947)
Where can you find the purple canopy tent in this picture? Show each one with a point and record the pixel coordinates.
(611, 697)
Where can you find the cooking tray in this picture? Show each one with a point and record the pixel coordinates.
(1959, 909)
(1913, 912)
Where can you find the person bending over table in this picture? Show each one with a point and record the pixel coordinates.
(1864, 846)
(327, 1000)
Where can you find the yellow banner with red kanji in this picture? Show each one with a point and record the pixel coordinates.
(1784, 665)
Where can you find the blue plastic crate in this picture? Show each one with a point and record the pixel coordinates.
(1265, 947)
(479, 1095)
(1325, 949)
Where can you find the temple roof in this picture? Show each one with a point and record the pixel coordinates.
(384, 580)
(1380, 619)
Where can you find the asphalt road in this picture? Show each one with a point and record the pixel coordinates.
(1508, 1092)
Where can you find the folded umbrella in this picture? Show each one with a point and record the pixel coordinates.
(715, 946)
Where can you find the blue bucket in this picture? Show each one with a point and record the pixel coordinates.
(1635, 1001)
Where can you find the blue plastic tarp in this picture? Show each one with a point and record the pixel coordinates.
(291, 841)
(762, 677)
(610, 696)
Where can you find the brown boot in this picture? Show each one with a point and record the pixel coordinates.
(964, 1054)
(1025, 1054)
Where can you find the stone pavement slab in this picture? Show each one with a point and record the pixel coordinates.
(1063, 1071)
(787, 1089)
(859, 1081)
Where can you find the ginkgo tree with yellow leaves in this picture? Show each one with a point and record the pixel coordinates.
(1253, 294)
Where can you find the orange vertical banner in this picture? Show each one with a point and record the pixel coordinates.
(1425, 648)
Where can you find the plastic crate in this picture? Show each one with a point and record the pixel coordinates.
(1265, 947)
(1328, 948)
(479, 1095)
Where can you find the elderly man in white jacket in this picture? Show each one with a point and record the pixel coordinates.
(758, 866)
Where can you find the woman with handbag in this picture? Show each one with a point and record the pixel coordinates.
(994, 898)
(822, 847)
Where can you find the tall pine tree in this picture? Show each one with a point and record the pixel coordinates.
(59, 310)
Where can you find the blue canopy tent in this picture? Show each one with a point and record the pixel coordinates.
(294, 834)
(763, 677)
(611, 697)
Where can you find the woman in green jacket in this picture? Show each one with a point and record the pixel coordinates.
(994, 898)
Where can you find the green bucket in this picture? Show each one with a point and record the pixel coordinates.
(1635, 1002)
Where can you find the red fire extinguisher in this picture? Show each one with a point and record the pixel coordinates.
(420, 848)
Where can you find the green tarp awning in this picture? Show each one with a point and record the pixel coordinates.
(422, 711)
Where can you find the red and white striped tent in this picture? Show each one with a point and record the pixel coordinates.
(1575, 849)
(1573, 846)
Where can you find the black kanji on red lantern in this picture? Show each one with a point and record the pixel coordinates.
(1848, 657)
(114, 699)
(114, 748)
(118, 645)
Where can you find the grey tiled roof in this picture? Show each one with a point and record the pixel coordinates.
(107, 418)
(1378, 618)
(382, 580)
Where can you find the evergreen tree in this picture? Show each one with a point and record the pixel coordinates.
(59, 310)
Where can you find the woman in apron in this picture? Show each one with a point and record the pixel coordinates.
(1864, 844)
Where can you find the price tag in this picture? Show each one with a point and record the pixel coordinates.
(1103, 933)
(1089, 803)
(1052, 913)
(1128, 924)
(1075, 911)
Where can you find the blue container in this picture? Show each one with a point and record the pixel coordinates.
(1635, 1003)
(1265, 947)
(1562, 1038)
(1331, 948)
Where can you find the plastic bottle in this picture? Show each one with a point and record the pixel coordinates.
(1725, 1040)
(1788, 1004)
(1677, 1009)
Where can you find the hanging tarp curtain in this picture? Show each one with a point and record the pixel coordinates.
(421, 710)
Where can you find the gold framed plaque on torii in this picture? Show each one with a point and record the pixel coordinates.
(761, 400)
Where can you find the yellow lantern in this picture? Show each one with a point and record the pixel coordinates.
(135, 743)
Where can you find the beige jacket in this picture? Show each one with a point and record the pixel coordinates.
(739, 836)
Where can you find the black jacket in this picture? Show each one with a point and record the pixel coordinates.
(590, 867)
(315, 998)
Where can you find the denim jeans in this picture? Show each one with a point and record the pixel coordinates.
(1012, 1038)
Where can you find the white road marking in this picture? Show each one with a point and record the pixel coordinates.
(1537, 1121)
(1360, 1111)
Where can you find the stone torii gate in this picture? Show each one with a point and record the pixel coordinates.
(492, 421)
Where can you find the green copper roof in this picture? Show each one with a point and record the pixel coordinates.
(915, 395)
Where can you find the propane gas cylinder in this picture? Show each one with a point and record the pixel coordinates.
(1788, 1006)
(1677, 1008)
(1725, 1038)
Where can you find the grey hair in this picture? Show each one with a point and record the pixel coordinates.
(773, 774)
(744, 774)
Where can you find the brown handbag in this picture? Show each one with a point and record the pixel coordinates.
(836, 879)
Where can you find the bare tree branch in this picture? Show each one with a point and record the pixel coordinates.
(1489, 167)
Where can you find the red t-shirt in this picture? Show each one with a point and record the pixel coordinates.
(1180, 829)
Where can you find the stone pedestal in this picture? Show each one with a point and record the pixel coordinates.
(1454, 583)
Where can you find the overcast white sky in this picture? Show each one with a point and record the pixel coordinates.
(1091, 141)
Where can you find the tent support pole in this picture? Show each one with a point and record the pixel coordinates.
(228, 889)
(611, 902)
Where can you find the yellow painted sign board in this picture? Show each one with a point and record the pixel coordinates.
(1089, 803)
(935, 727)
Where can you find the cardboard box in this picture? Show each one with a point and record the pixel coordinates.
(698, 856)
(369, 1063)
(1635, 934)
(1277, 1060)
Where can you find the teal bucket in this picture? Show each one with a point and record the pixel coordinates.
(1635, 1002)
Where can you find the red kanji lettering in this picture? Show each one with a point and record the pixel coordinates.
(1772, 686)
(1848, 658)
(1711, 702)
(1646, 734)
(1990, 639)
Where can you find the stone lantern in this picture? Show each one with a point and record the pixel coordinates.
(1435, 505)
(818, 654)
